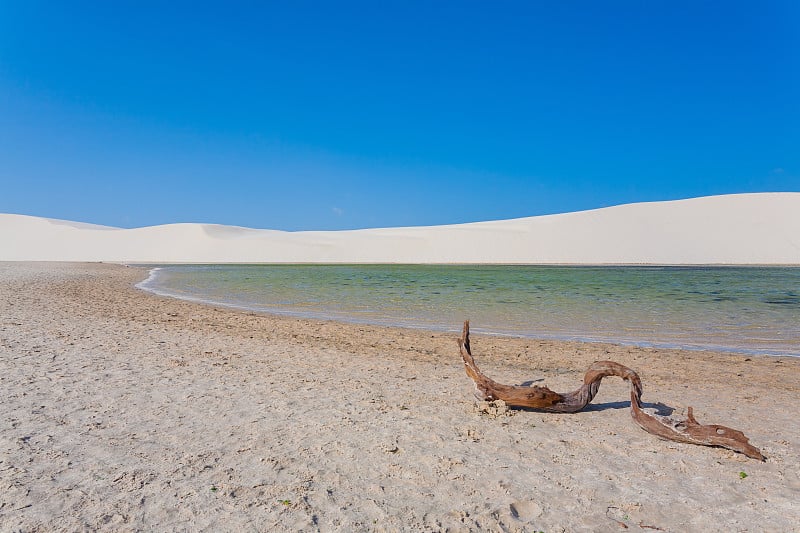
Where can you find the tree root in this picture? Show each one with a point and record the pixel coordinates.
(543, 399)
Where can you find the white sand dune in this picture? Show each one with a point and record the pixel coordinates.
(762, 228)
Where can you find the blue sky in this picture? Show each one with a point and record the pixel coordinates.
(310, 115)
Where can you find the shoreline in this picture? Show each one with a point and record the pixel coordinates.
(125, 409)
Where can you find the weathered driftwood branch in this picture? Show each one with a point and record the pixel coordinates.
(692, 432)
(542, 398)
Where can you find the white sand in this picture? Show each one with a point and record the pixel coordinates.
(124, 411)
(733, 229)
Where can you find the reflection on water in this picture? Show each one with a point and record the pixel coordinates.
(748, 309)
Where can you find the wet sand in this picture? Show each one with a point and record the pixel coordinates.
(122, 410)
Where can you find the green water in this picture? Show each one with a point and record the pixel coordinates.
(746, 310)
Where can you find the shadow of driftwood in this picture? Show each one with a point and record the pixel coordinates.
(589, 408)
(660, 408)
(605, 406)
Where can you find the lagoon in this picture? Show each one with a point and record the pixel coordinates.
(753, 310)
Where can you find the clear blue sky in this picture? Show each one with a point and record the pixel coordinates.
(309, 115)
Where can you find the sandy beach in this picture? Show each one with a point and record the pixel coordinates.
(123, 411)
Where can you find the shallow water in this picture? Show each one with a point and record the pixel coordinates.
(745, 310)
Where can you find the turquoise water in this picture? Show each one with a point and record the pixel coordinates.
(745, 310)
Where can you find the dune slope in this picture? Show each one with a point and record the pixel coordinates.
(761, 228)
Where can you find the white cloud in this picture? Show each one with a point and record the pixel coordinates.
(338, 211)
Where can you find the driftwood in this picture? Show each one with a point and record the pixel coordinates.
(543, 399)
